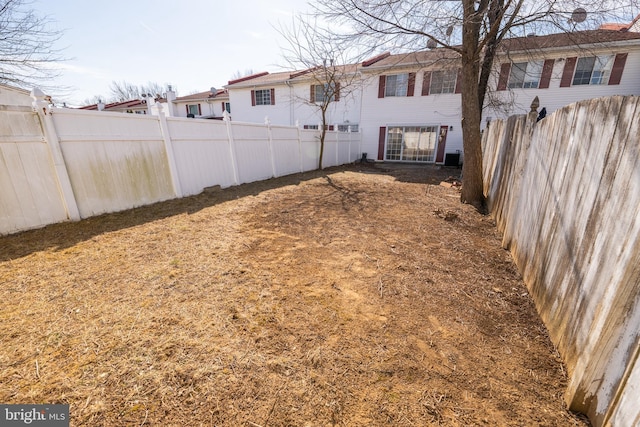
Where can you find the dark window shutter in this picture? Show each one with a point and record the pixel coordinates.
(381, 138)
(312, 94)
(381, 86)
(504, 76)
(223, 106)
(411, 85)
(458, 88)
(567, 73)
(253, 98)
(337, 92)
(426, 82)
(545, 78)
(273, 97)
(618, 67)
(199, 110)
(187, 109)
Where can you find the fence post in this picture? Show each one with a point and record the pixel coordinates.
(267, 123)
(232, 147)
(336, 134)
(300, 146)
(168, 148)
(41, 106)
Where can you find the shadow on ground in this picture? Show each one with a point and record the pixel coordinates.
(64, 235)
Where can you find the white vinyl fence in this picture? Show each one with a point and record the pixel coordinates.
(565, 193)
(59, 164)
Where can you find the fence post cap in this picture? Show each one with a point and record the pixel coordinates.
(535, 104)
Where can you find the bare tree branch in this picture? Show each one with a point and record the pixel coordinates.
(28, 57)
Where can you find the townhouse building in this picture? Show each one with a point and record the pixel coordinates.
(407, 106)
(205, 105)
(292, 98)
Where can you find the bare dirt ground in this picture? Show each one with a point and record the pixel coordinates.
(355, 296)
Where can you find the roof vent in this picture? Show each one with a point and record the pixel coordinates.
(531, 35)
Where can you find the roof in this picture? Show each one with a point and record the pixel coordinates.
(219, 94)
(261, 79)
(134, 103)
(266, 78)
(411, 59)
(442, 56)
(575, 39)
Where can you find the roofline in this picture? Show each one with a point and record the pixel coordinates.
(243, 79)
(375, 59)
(576, 46)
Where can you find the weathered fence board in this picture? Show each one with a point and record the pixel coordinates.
(565, 193)
(60, 164)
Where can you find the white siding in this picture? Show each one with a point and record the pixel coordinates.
(556, 97)
(292, 106)
(416, 110)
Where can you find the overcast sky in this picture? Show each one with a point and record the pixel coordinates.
(192, 45)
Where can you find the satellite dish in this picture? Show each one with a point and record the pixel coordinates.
(431, 44)
(579, 15)
(449, 30)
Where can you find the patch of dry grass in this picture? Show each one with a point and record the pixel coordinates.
(353, 296)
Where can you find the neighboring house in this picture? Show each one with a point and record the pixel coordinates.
(409, 106)
(205, 105)
(134, 106)
(290, 98)
(10, 95)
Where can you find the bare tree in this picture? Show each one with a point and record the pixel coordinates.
(325, 64)
(125, 91)
(412, 25)
(239, 74)
(27, 53)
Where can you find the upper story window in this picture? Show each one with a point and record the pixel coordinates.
(263, 97)
(193, 110)
(593, 70)
(326, 92)
(226, 106)
(397, 85)
(442, 82)
(525, 75)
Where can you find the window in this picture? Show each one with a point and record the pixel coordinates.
(263, 97)
(348, 127)
(226, 106)
(593, 70)
(411, 143)
(443, 82)
(316, 127)
(193, 110)
(320, 93)
(397, 85)
(525, 75)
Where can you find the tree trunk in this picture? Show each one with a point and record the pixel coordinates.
(323, 133)
(472, 188)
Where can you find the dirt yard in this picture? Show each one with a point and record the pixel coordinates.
(356, 296)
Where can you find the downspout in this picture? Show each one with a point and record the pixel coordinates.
(288, 83)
